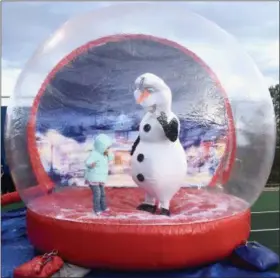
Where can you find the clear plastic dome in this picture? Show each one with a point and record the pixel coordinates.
(80, 83)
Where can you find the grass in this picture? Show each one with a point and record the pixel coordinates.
(12, 206)
(268, 201)
(265, 221)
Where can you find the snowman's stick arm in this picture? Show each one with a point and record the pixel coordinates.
(135, 144)
(171, 129)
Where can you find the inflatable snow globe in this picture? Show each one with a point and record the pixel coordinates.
(140, 144)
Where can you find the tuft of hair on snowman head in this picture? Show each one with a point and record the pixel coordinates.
(152, 92)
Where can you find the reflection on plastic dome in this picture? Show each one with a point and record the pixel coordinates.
(93, 94)
(80, 84)
(92, 139)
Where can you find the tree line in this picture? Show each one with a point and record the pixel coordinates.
(275, 95)
(275, 173)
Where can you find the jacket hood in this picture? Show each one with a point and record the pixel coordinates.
(102, 143)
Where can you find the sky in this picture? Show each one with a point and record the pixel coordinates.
(25, 25)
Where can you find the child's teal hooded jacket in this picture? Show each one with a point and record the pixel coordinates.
(100, 171)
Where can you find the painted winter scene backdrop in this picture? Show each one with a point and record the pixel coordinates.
(94, 94)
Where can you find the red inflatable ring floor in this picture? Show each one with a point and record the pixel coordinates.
(204, 227)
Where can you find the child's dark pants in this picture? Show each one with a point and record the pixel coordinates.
(99, 198)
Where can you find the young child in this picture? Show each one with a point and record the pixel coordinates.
(97, 171)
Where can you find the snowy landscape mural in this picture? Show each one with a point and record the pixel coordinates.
(94, 94)
(63, 156)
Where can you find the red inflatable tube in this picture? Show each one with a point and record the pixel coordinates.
(27, 194)
(129, 239)
(10, 198)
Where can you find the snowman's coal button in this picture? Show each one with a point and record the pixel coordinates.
(147, 127)
(140, 157)
(140, 177)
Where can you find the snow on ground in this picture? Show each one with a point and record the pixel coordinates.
(190, 206)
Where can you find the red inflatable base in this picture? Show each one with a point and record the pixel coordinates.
(204, 227)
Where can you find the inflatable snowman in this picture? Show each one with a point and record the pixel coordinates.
(158, 160)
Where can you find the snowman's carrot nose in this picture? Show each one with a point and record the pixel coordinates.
(145, 94)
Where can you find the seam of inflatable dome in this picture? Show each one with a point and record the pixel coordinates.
(42, 177)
